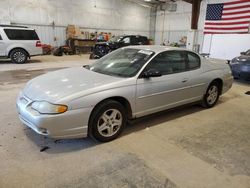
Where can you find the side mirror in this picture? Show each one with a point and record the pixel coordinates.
(242, 53)
(151, 73)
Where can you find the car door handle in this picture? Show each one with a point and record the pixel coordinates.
(185, 80)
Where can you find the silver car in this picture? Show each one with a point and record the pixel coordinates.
(131, 82)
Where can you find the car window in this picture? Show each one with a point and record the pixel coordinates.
(193, 61)
(123, 62)
(19, 34)
(143, 39)
(168, 62)
(1, 37)
(248, 52)
(126, 40)
(135, 40)
(139, 40)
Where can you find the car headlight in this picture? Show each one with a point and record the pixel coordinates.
(44, 107)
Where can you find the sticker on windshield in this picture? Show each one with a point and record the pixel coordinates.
(145, 52)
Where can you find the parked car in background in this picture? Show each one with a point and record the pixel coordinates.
(19, 43)
(241, 66)
(130, 82)
(102, 48)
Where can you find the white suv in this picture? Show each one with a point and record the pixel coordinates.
(19, 43)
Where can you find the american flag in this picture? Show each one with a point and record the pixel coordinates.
(228, 17)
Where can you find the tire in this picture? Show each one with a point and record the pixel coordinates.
(212, 95)
(107, 121)
(18, 56)
(92, 56)
(58, 52)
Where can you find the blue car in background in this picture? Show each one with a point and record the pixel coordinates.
(240, 66)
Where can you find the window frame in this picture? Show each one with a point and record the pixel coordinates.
(183, 54)
(187, 60)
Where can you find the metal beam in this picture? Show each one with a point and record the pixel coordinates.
(195, 14)
(196, 4)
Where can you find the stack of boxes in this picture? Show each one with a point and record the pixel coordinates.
(73, 31)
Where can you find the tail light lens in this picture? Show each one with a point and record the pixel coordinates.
(38, 44)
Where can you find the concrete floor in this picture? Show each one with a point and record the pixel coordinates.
(187, 147)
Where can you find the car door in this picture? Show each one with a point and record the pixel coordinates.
(197, 79)
(169, 90)
(2, 46)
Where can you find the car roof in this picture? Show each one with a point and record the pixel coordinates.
(15, 27)
(155, 48)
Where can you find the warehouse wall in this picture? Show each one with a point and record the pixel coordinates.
(177, 24)
(50, 17)
(174, 25)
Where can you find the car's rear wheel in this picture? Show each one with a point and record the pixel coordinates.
(107, 121)
(212, 95)
(18, 56)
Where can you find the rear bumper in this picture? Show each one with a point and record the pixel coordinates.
(71, 124)
(36, 51)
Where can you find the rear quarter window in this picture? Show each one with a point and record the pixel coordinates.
(19, 34)
(143, 39)
(193, 61)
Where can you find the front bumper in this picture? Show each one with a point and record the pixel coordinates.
(71, 124)
(241, 75)
(241, 71)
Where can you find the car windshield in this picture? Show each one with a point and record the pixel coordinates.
(248, 52)
(115, 39)
(122, 62)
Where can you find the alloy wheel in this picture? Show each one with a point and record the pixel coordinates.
(109, 122)
(19, 57)
(212, 95)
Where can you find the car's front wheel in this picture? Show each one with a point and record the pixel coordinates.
(107, 121)
(212, 95)
(18, 56)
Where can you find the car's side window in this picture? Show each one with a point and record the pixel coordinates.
(193, 61)
(134, 40)
(137, 40)
(168, 62)
(1, 37)
(20, 34)
(126, 40)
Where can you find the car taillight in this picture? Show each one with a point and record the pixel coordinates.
(38, 44)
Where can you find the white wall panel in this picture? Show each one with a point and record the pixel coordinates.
(116, 16)
(177, 24)
(221, 47)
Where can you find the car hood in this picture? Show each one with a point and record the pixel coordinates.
(57, 85)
